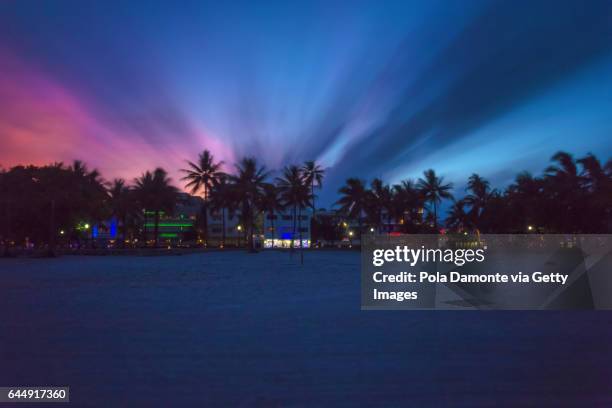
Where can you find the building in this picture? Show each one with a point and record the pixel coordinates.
(234, 230)
(179, 227)
(282, 228)
(185, 226)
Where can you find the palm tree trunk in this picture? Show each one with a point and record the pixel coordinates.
(300, 233)
(124, 222)
(312, 220)
(156, 230)
(249, 228)
(250, 237)
(435, 216)
(245, 220)
(205, 222)
(273, 228)
(205, 214)
(145, 228)
(294, 223)
(313, 198)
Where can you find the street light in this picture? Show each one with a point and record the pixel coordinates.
(530, 228)
(239, 228)
(371, 229)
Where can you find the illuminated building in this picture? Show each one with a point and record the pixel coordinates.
(279, 229)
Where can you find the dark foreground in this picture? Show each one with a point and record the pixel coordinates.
(238, 329)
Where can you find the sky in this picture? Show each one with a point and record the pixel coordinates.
(366, 88)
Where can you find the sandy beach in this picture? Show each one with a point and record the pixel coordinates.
(239, 329)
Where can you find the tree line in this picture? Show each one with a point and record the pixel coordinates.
(571, 196)
(41, 204)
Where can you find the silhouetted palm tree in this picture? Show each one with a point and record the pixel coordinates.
(525, 201)
(295, 193)
(407, 204)
(434, 191)
(249, 181)
(222, 199)
(477, 199)
(313, 176)
(93, 203)
(271, 203)
(353, 200)
(201, 176)
(593, 173)
(380, 201)
(38, 204)
(458, 218)
(562, 184)
(565, 167)
(122, 204)
(597, 187)
(49, 181)
(156, 194)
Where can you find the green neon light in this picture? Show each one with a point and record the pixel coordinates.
(153, 212)
(168, 235)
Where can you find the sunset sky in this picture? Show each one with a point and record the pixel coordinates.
(369, 89)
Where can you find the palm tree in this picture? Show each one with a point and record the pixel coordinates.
(156, 194)
(92, 202)
(271, 203)
(477, 199)
(353, 201)
(201, 176)
(593, 173)
(526, 202)
(458, 218)
(222, 198)
(380, 199)
(294, 192)
(563, 184)
(58, 187)
(313, 176)
(249, 181)
(434, 191)
(121, 203)
(407, 201)
(565, 167)
(598, 186)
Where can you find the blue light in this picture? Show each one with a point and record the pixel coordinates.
(94, 231)
(113, 228)
(286, 235)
